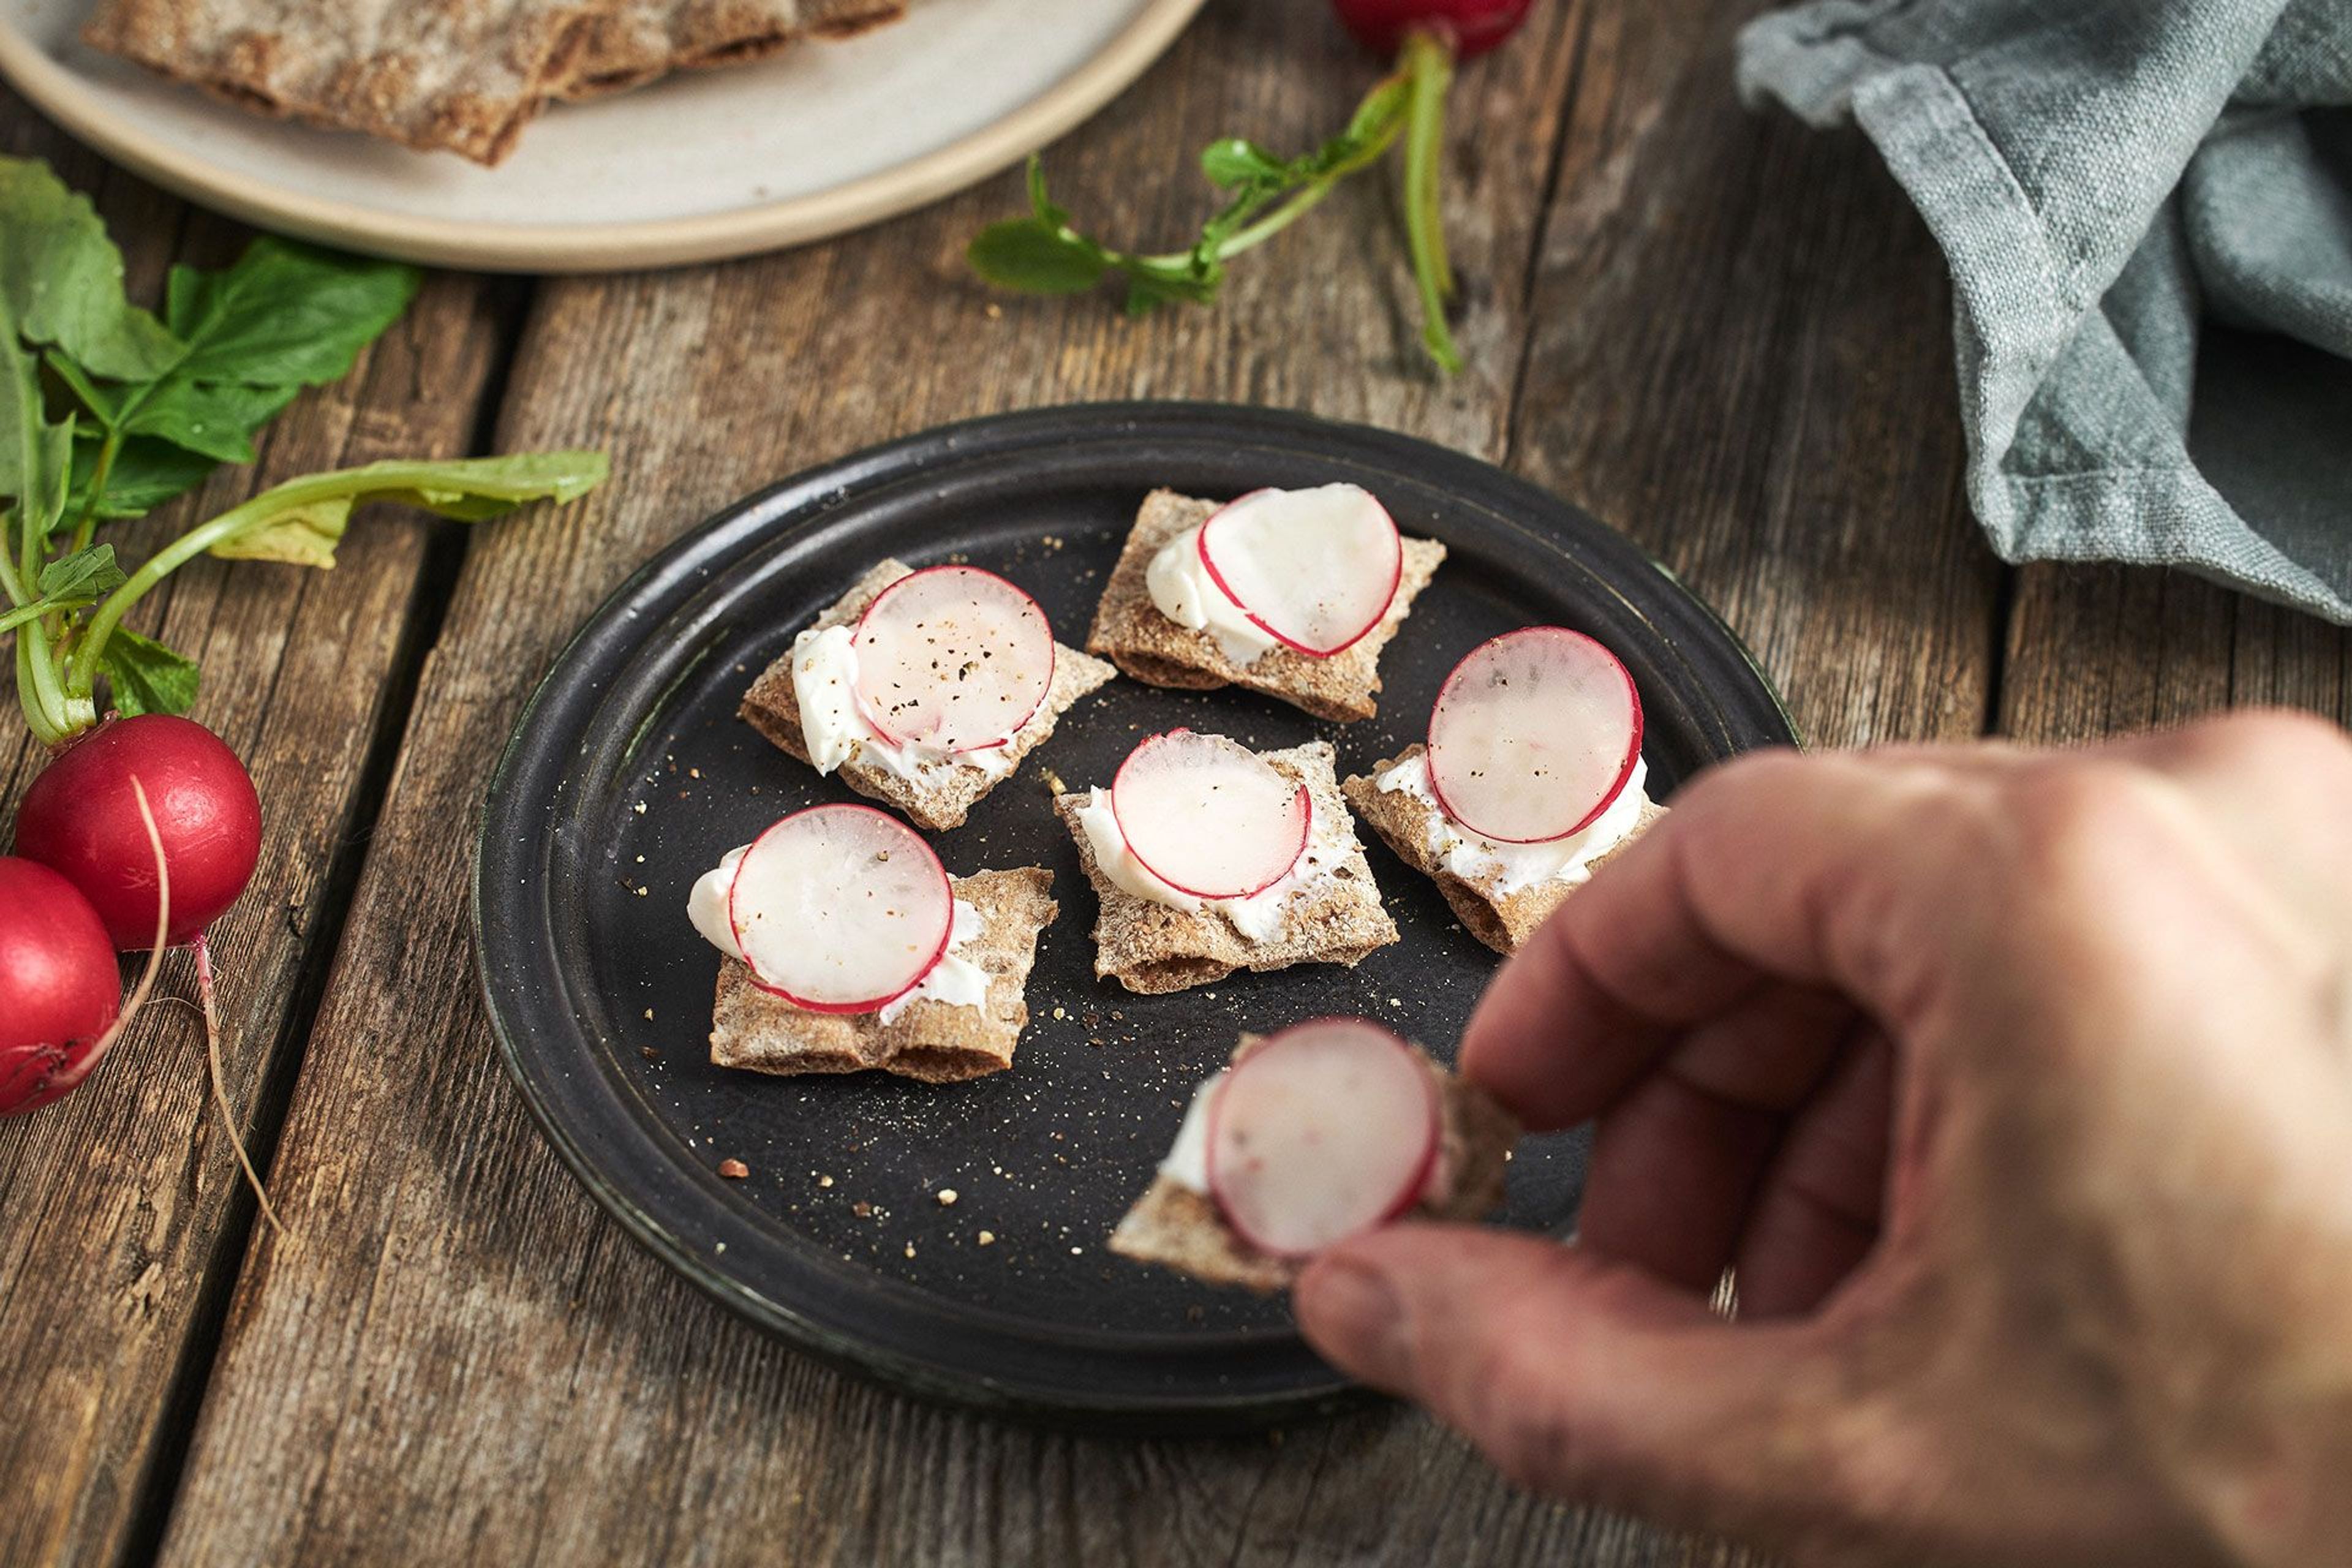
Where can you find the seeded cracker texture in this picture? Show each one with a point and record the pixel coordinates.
(1130, 632)
(466, 76)
(934, 1042)
(946, 794)
(1502, 920)
(639, 40)
(1179, 1228)
(1152, 948)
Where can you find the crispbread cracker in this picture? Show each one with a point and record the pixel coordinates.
(1130, 632)
(461, 75)
(639, 40)
(467, 75)
(1502, 920)
(944, 794)
(1175, 1227)
(936, 1042)
(1153, 948)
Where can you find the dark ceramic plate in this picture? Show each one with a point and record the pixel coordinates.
(629, 774)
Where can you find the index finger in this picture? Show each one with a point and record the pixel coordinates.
(1817, 871)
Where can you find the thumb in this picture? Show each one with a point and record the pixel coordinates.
(1579, 1376)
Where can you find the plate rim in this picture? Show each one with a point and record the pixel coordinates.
(671, 570)
(58, 93)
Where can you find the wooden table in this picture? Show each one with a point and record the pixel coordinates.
(1726, 335)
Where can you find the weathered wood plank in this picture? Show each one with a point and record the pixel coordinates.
(463, 1357)
(1742, 359)
(125, 1215)
(2096, 651)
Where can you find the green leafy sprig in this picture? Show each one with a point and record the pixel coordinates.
(1044, 253)
(107, 412)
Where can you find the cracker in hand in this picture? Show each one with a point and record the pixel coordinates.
(1312, 1135)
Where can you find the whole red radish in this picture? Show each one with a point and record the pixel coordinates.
(59, 986)
(1471, 26)
(81, 819)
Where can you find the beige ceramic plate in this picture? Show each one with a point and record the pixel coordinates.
(821, 140)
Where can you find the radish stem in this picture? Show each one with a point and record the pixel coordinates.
(55, 700)
(1282, 217)
(471, 490)
(100, 472)
(1264, 229)
(160, 565)
(47, 708)
(9, 582)
(1429, 65)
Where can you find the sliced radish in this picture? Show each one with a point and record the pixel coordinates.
(1315, 569)
(1325, 1130)
(840, 908)
(1534, 734)
(1208, 816)
(954, 658)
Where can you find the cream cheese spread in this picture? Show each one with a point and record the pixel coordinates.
(835, 728)
(1514, 868)
(1179, 585)
(954, 980)
(1257, 917)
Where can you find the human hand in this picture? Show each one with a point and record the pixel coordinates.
(2018, 1088)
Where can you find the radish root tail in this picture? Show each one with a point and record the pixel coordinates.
(81, 1070)
(220, 1084)
(142, 991)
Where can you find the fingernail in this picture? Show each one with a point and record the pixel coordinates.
(1354, 1316)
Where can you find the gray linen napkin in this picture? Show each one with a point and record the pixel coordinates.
(2146, 207)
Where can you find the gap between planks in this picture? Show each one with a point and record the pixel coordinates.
(158, 1485)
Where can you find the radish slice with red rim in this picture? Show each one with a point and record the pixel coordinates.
(1323, 1131)
(954, 658)
(1534, 735)
(1313, 569)
(1208, 816)
(840, 908)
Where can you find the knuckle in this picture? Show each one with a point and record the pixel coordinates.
(2286, 741)
(1948, 817)
(1938, 820)
(2074, 818)
(1535, 1448)
(1727, 781)
(1527, 1433)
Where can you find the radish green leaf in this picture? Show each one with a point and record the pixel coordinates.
(145, 676)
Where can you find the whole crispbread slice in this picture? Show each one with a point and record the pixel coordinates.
(941, 796)
(641, 40)
(1175, 1227)
(1130, 632)
(936, 1042)
(466, 76)
(1500, 920)
(1153, 948)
